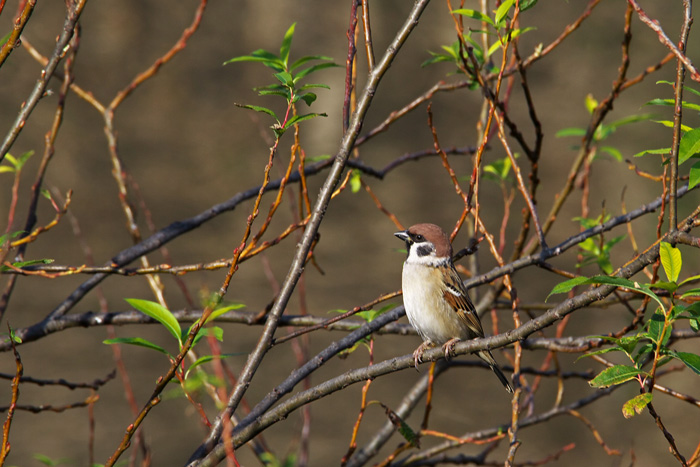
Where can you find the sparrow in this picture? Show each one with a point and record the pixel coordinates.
(435, 299)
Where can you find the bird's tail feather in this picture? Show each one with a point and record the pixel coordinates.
(486, 356)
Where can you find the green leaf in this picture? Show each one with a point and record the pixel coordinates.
(513, 34)
(308, 58)
(689, 146)
(312, 69)
(656, 327)
(694, 175)
(355, 181)
(614, 152)
(570, 132)
(224, 309)
(261, 56)
(668, 286)
(690, 360)
(285, 78)
(159, 313)
(653, 151)
(502, 10)
(287, 44)
(474, 14)
(591, 103)
(300, 118)
(617, 374)
(527, 4)
(24, 264)
(138, 342)
(566, 286)
(636, 404)
(671, 260)
(403, 428)
(308, 97)
(691, 292)
(209, 358)
(670, 124)
(257, 108)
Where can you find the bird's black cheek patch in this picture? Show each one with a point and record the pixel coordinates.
(423, 250)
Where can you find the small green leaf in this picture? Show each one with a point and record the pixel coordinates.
(287, 44)
(209, 358)
(159, 313)
(690, 360)
(257, 108)
(355, 181)
(138, 342)
(566, 286)
(285, 78)
(694, 175)
(311, 69)
(309, 98)
(668, 286)
(224, 309)
(591, 103)
(502, 10)
(404, 429)
(617, 374)
(689, 146)
(474, 14)
(653, 151)
(527, 4)
(24, 264)
(570, 132)
(636, 404)
(691, 292)
(300, 118)
(656, 327)
(671, 260)
(614, 152)
(308, 58)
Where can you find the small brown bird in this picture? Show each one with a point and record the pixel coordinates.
(436, 302)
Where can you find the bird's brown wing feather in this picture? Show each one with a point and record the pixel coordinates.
(456, 295)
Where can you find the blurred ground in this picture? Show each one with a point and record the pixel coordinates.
(188, 147)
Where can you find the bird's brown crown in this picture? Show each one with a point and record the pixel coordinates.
(435, 235)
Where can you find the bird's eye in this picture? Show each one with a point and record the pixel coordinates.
(420, 238)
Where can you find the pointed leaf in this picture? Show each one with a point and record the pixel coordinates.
(570, 132)
(287, 44)
(307, 71)
(307, 59)
(502, 10)
(566, 286)
(308, 97)
(159, 313)
(404, 429)
(691, 360)
(209, 358)
(690, 145)
(636, 404)
(300, 118)
(285, 78)
(224, 309)
(656, 327)
(617, 374)
(671, 260)
(653, 151)
(138, 342)
(694, 175)
(257, 108)
(474, 14)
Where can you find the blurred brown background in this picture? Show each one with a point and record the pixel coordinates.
(188, 147)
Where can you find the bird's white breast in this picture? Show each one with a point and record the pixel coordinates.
(426, 309)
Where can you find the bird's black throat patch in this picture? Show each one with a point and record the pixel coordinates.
(423, 250)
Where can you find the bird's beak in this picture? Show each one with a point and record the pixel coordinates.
(403, 235)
